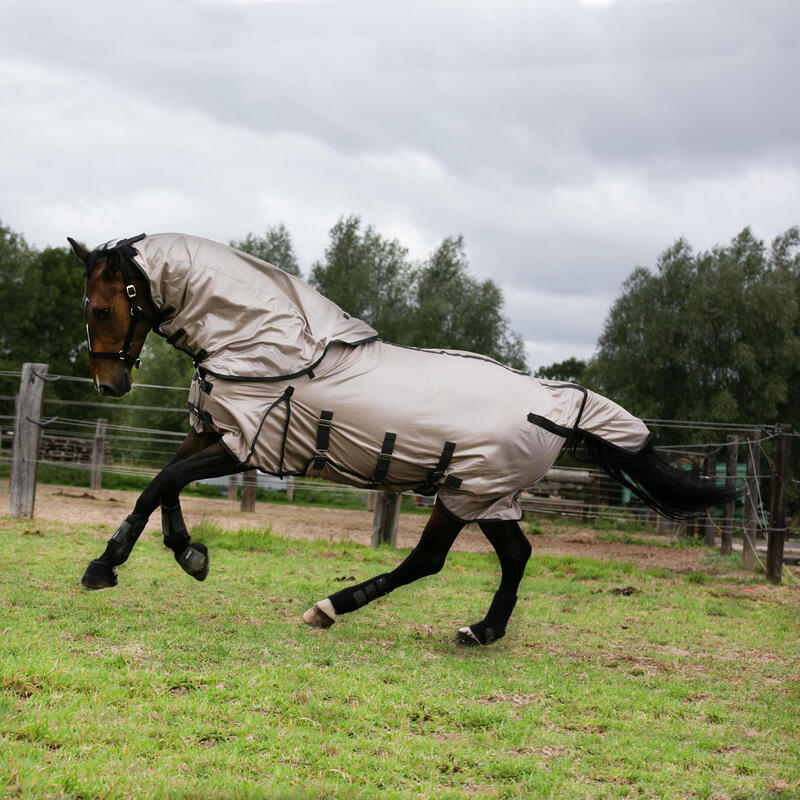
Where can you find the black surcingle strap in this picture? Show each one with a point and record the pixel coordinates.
(428, 486)
(384, 458)
(324, 425)
(444, 462)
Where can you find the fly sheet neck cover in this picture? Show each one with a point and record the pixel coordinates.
(238, 316)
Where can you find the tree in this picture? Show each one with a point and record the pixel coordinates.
(42, 316)
(368, 276)
(15, 259)
(570, 370)
(707, 336)
(274, 247)
(162, 365)
(437, 304)
(456, 311)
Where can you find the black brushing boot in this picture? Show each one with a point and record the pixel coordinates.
(101, 572)
(192, 556)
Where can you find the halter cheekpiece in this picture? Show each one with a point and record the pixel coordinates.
(123, 251)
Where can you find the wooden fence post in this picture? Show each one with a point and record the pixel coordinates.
(233, 486)
(777, 512)
(27, 435)
(729, 510)
(249, 485)
(710, 469)
(751, 500)
(98, 455)
(384, 521)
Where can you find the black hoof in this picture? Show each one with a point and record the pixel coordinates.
(99, 575)
(194, 560)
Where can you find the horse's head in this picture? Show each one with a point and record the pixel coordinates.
(119, 315)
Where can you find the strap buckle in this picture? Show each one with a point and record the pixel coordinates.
(130, 290)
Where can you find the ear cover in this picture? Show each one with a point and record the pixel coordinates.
(78, 249)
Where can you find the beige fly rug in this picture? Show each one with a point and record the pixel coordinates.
(296, 386)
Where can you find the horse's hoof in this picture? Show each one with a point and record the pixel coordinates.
(99, 575)
(194, 560)
(321, 615)
(466, 637)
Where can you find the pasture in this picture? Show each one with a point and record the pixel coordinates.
(686, 686)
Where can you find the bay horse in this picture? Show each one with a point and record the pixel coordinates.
(290, 383)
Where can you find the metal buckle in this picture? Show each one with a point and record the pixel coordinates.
(130, 290)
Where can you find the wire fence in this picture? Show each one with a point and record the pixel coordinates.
(141, 437)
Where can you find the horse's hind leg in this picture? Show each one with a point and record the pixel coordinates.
(513, 550)
(427, 558)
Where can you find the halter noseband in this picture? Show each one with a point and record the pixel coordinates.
(123, 251)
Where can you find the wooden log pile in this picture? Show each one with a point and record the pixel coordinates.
(70, 449)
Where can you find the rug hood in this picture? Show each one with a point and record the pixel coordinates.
(239, 317)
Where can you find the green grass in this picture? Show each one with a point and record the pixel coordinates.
(168, 688)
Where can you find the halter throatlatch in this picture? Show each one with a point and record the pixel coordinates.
(123, 252)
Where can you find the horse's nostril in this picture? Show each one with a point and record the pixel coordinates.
(104, 388)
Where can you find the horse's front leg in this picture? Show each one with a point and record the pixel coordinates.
(513, 549)
(199, 456)
(427, 558)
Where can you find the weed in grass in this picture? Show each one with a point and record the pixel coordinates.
(532, 529)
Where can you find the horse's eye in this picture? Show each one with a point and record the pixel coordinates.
(102, 313)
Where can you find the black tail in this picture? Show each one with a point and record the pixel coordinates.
(675, 493)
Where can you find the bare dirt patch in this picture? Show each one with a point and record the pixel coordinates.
(109, 507)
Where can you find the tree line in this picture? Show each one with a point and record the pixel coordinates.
(709, 335)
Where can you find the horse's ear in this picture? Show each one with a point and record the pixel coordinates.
(78, 249)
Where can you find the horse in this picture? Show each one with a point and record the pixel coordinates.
(288, 382)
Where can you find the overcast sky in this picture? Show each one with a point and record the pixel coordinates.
(568, 141)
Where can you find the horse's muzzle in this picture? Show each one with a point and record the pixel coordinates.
(116, 386)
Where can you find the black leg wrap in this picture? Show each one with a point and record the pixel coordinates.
(100, 574)
(354, 597)
(192, 556)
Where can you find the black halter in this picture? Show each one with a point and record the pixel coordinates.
(123, 252)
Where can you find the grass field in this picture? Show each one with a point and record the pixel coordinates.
(165, 687)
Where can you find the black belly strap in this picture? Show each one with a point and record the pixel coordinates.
(324, 425)
(428, 486)
(384, 458)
